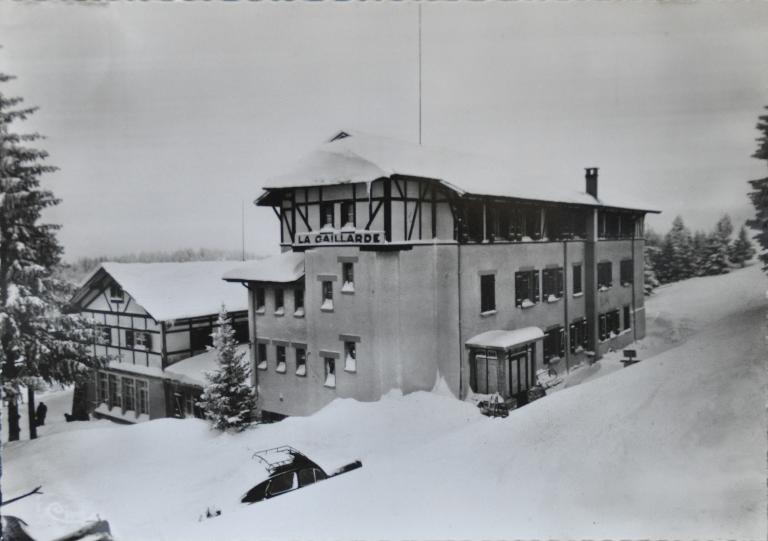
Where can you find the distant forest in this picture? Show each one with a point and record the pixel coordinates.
(76, 271)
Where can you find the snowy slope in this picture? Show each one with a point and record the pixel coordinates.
(673, 447)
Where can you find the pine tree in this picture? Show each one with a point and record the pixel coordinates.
(38, 340)
(716, 259)
(228, 400)
(676, 260)
(650, 282)
(759, 193)
(741, 250)
(699, 252)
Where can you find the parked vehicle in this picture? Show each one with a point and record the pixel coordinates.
(288, 470)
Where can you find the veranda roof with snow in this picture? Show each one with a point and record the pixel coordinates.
(191, 371)
(171, 291)
(506, 339)
(282, 268)
(352, 157)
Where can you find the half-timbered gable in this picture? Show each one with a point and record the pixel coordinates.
(151, 316)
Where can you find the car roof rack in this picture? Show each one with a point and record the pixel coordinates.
(275, 457)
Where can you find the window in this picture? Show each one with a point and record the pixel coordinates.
(200, 337)
(531, 223)
(260, 300)
(326, 215)
(282, 483)
(104, 335)
(603, 328)
(579, 336)
(350, 357)
(577, 281)
(552, 284)
(280, 358)
(526, 288)
(279, 302)
(301, 362)
(348, 276)
(298, 302)
(142, 394)
(308, 476)
(327, 296)
(487, 293)
(138, 340)
(604, 275)
(348, 214)
(626, 272)
(116, 293)
(330, 372)
(241, 331)
(554, 344)
(128, 396)
(103, 388)
(613, 323)
(261, 356)
(627, 318)
(610, 325)
(114, 391)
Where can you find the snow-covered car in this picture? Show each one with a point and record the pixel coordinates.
(288, 470)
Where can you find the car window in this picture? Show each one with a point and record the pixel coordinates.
(282, 483)
(319, 474)
(306, 477)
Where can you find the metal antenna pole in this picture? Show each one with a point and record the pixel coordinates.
(419, 73)
(242, 227)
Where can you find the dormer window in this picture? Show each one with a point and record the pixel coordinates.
(116, 293)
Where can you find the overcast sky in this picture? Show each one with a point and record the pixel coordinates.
(165, 117)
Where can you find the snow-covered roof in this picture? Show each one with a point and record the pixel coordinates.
(506, 339)
(170, 291)
(282, 268)
(191, 371)
(352, 157)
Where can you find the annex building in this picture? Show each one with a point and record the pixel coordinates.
(155, 323)
(403, 267)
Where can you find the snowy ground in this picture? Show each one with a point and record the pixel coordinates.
(671, 448)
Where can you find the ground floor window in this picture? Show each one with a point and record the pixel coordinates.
(627, 318)
(330, 371)
(610, 325)
(142, 394)
(129, 397)
(103, 388)
(114, 392)
(509, 373)
(554, 344)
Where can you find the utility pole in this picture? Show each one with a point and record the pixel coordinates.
(419, 5)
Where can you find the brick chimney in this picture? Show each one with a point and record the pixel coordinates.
(591, 178)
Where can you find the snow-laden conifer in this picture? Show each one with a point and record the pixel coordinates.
(39, 341)
(228, 401)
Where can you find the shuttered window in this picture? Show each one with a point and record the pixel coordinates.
(526, 288)
(552, 283)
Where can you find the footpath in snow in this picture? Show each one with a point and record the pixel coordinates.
(671, 448)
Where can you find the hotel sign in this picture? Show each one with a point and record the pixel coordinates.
(335, 237)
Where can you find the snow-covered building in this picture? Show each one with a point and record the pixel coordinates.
(155, 323)
(404, 266)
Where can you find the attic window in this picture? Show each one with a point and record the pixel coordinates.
(116, 293)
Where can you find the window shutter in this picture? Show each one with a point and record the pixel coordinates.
(559, 282)
(562, 342)
(535, 286)
(129, 339)
(518, 288)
